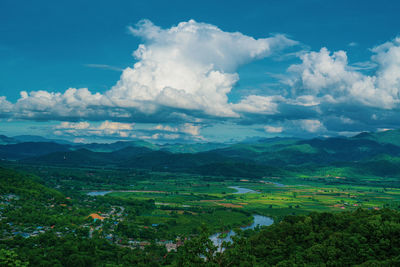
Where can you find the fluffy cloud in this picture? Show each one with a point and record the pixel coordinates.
(273, 129)
(191, 129)
(107, 128)
(311, 126)
(335, 97)
(5, 107)
(183, 76)
(117, 130)
(330, 78)
(184, 70)
(160, 137)
(185, 130)
(75, 126)
(72, 104)
(115, 126)
(259, 104)
(191, 67)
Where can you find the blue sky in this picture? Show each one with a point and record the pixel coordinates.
(291, 88)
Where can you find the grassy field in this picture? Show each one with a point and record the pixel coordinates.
(185, 202)
(191, 201)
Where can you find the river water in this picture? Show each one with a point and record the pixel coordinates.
(258, 221)
(98, 193)
(242, 190)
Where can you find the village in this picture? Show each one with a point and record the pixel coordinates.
(104, 224)
(99, 224)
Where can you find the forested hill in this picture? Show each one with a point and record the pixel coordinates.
(39, 226)
(365, 155)
(360, 238)
(26, 186)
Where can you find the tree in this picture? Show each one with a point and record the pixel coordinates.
(199, 251)
(9, 258)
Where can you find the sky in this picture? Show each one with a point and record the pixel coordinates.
(198, 71)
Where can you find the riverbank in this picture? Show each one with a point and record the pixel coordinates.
(258, 221)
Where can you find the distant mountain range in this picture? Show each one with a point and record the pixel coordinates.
(23, 146)
(30, 149)
(5, 140)
(376, 154)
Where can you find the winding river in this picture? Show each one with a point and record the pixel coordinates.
(258, 221)
(215, 238)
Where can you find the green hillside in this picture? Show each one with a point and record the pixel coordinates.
(25, 186)
(384, 137)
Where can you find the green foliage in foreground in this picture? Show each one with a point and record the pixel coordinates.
(10, 259)
(50, 250)
(363, 237)
(359, 238)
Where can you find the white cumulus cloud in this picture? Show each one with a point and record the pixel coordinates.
(106, 128)
(5, 106)
(273, 129)
(329, 76)
(259, 104)
(183, 75)
(186, 129)
(311, 126)
(73, 103)
(190, 66)
(73, 125)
